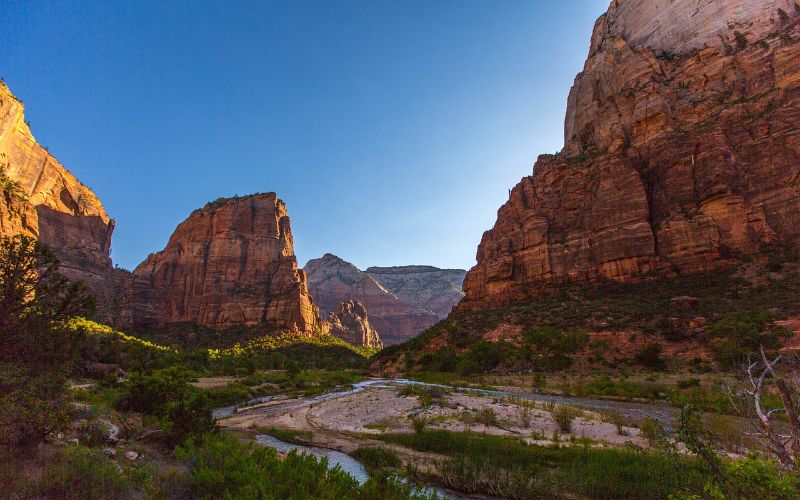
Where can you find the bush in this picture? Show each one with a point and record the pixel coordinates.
(652, 430)
(183, 410)
(739, 334)
(419, 424)
(222, 467)
(650, 356)
(487, 417)
(78, 472)
(377, 459)
(564, 415)
(36, 351)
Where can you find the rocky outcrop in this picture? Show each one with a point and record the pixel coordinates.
(682, 153)
(426, 287)
(400, 309)
(230, 263)
(350, 323)
(42, 199)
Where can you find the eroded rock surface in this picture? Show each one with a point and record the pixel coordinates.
(401, 301)
(682, 153)
(350, 322)
(230, 263)
(42, 199)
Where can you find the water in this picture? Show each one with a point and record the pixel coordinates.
(227, 411)
(347, 463)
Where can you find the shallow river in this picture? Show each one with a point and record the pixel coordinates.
(635, 411)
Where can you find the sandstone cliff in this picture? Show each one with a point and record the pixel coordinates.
(230, 263)
(400, 309)
(350, 323)
(682, 153)
(427, 287)
(42, 199)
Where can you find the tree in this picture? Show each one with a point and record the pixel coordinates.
(762, 377)
(35, 347)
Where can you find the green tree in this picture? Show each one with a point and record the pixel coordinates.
(36, 350)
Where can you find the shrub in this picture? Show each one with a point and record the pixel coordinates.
(377, 459)
(78, 472)
(487, 417)
(650, 356)
(741, 333)
(222, 467)
(652, 430)
(564, 415)
(419, 424)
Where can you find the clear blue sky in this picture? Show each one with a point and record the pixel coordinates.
(393, 130)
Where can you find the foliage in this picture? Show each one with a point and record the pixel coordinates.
(564, 415)
(508, 467)
(378, 460)
(184, 411)
(650, 356)
(285, 339)
(222, 467)
(36, 351)
(79, 472)
(741, 333)
(652, 430)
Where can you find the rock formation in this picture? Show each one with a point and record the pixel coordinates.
(682, 153)
(427, 287)
(400, 309)
(42, 199)
(230, 263)
(350, 323)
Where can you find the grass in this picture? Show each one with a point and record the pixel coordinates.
(377, 460)
(287, 435)
(507, 467)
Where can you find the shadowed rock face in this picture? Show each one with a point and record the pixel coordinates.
(350, 323)
(430, 288)
(402, 301)
(230, 263)
(682, 152)
(47, 202)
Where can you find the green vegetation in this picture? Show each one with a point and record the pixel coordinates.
(564, 415)
(508, 467)
(287, 435)
(552, 326)
(378, 461)
(740, 333)
(222, 467)
(36, 351)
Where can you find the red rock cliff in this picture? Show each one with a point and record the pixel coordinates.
(682, 153)
(230, 263)
(40, 198)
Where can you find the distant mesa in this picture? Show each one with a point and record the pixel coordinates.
(230, 263)
(401, 301)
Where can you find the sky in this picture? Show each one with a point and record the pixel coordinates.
(392, 130)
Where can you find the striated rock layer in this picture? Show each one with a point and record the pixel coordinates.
(42, 199)
(682, 153)
(230, 263)
(427, 287)
(402, 301)
(350, 323)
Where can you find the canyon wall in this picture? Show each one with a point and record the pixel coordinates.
(42, 199)
(401, 301)
(230, 263)
(427, 287)
(350, 322)
(682, 153)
